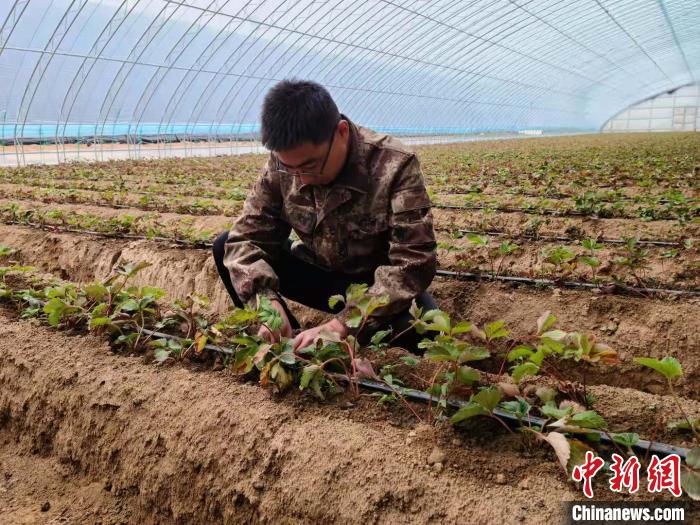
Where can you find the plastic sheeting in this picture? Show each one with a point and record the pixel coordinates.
(95, 68)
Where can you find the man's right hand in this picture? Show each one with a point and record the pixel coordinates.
(284, 331)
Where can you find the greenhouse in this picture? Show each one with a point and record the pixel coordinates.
(342, 261)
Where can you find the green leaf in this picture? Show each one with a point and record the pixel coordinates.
(588, 419)
(268, 314)
(545, 322)
(96, 291)
(553, 412)
(555, 335)
(519, 352)
(99, 321)
(546, 394)
(467, 375)
(379, 336)
(626, 439)
(288, 358)
(307, 375)
(335, 299)
(524, 370)
(130, 305)
(692, 459)
(488, 397)
(469, 410)
(669, 367)
(473, 353)
(408, 360)
(462, 327)
(355, 291)
(496, 330)
(438, 321)
(684, 424)
(437, 352)
(520, 407)
(161, 355)
(354, 318)
(589, 260)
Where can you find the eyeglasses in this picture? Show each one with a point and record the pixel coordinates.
(281, 168)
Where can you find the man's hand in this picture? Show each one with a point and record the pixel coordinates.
(307, 337)
(284, 331)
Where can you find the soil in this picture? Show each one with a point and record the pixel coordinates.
(146, 444)
(90, 436)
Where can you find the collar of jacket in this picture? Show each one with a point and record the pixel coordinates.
(353, 174)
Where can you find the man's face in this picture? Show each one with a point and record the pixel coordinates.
(307, 160)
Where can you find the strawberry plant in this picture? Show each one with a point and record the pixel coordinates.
(670, 369)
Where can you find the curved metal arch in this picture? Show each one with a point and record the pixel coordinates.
(221, 112)
(144, 41)
(172, 57)
(99, 45)
(476, 76)
(214, 83)
(64, 25)
(249, 100)
(220, 39)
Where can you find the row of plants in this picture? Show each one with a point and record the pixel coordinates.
(127, 199)
(586, 205)
(149, 225)
(628, 264)
(587, 259)
(230, 189)
(129, 315)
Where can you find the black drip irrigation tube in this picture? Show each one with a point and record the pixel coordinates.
(419, 396)
(546, 211)
(556, 238)
(556, 197)
(614, 288)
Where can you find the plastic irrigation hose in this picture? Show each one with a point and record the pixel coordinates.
(644, 446)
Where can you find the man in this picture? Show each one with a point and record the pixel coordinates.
(358, 203)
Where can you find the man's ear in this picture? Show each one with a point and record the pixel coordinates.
(344, 128)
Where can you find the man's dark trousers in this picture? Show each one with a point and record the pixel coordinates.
(312, 285)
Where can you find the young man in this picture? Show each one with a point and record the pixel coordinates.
(357, 201)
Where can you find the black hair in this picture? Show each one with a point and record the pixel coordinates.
(296, 111)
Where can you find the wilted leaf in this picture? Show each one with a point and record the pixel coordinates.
(690, 477)
(560, 445)
(364, 369)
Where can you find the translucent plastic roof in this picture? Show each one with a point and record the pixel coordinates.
(84, 67)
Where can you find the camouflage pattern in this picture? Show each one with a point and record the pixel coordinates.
(374, 217)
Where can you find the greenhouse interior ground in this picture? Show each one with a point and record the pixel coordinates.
(539, 159)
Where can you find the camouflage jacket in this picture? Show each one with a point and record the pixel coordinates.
(373, 217)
